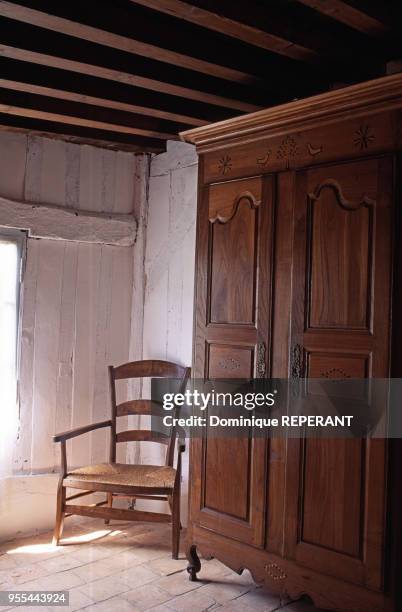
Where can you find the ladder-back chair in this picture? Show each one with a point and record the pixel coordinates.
(126, 480)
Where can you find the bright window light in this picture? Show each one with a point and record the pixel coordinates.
(10, 266)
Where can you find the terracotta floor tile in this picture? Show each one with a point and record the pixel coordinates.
(300, 606)
(196, 601)
(146, 597)
(6, 562)
(224, 590)
(31, 609)
(137, 576)
(177, 584)
(127, 568)
(60, 581)
(115, 604)
(60, 563)
(77, 601)
(260, 600)
(21, 574)
(105, 588)
(166, 565)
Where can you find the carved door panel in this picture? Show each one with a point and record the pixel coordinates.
(232, 341)
(341, 283)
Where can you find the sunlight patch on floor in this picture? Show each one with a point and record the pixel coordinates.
(41, 548)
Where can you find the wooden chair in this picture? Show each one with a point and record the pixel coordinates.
(124, 480)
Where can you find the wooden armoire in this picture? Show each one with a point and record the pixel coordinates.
(298, 275)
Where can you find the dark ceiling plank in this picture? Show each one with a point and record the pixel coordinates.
(319, 35)
(287, 78)
(389, 13)
(61, 94)
(40, 106)
(82, 87)
(38, 45)
(82, 135)
(123, 43)
(349, 15)
(124, 77)
(20, 111)
(212, 20)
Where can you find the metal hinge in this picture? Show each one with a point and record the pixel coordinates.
(297, 362)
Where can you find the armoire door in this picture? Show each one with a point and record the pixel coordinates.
(233, 297)
(341, 283)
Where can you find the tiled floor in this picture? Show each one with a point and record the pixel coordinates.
(127, 568)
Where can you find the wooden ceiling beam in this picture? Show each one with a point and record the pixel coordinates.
(287, 78)
(81, 134)
(349, 15)
(82, 98)
(389, 13)
(124, 77)
(316, 42)
(230, 27)
(66, 111)
(61, 84)
(31, 113)
(55, 23)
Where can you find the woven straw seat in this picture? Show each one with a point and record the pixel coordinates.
(123, 474)
(121, 480)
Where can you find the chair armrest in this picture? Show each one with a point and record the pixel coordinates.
(78, 431)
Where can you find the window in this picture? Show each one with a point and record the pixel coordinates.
(12, 243)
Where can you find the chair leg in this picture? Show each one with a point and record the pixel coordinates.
(109, 504)
(131, 505)
(60, 507)
(170, 502)
(175, 523)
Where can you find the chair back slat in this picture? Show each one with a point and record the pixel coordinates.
(142, 435)
(149, 368)
(145, 369)
(138, 406)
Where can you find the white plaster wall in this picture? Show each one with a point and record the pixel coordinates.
(76, 317)
(170, 252)
(54, 172)
(88, 305)
(169, 268)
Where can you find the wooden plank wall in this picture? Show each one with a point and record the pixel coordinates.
(76, 299)
(169, 269)
(170, 251)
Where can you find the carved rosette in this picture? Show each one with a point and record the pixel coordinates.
(363, 137)
(225, 164)
(275, 572)
(335, 373)
(229, 364)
